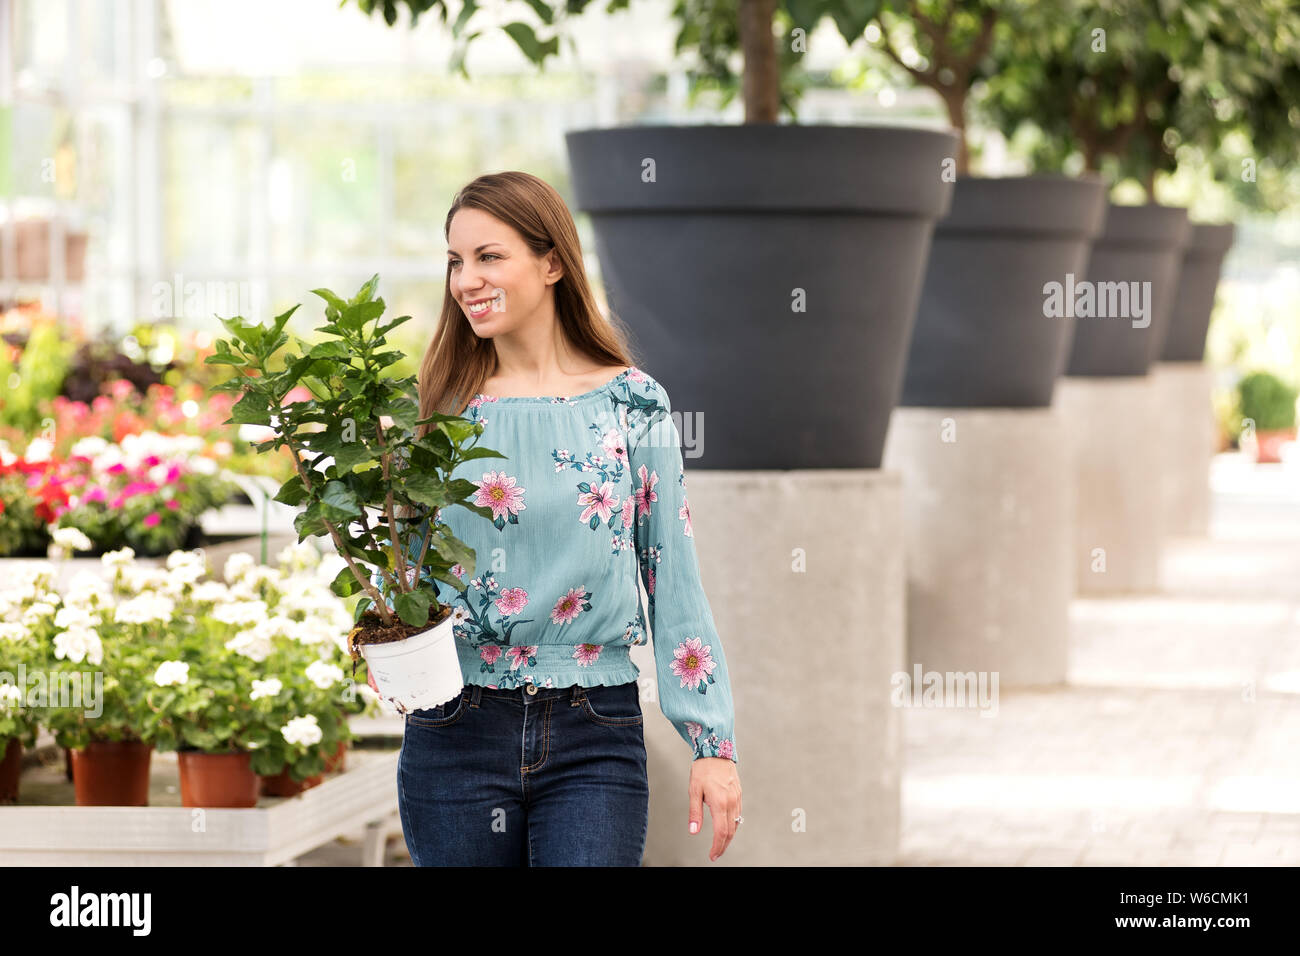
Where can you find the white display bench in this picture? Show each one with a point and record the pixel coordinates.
(274, 833)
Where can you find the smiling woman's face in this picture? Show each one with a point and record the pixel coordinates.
(494, 276)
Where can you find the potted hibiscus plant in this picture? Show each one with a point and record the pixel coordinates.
(359, 465)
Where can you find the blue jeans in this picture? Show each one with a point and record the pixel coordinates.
(507, 778)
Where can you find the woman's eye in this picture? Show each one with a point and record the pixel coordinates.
(455, 262)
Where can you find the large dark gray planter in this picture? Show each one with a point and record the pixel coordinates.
(981, 338)
(1138, 244)
(1197, 282)
(708, 263)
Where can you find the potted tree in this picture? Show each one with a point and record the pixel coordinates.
(1267, 408)
(359, 464)
(1100, 81)
(1237, 122)
(980, 337)
(784, 240)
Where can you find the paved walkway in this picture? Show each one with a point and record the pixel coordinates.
(1176, 739)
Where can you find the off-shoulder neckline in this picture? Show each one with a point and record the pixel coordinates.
(559, 398)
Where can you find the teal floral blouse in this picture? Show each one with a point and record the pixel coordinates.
(591, 497)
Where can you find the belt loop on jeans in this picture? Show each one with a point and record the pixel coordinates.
(476, 695)
(575, 696)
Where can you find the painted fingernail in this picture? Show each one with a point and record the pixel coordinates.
(695, 827)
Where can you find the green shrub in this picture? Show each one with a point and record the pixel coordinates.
(1267, 400)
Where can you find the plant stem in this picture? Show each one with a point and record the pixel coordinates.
(381, 607)
(399, 557)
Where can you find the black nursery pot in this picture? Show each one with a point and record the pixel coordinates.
(1197, 281)
(981, 336)
(769, 275)
(1138, 244)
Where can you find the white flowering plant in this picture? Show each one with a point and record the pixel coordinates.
(351, 467)
(257, 666)
(27, 608)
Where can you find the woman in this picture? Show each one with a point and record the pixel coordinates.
(541, 760)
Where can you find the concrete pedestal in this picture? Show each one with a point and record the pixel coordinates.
(1185, 426)
(988, 520)
(1112, 426)
(804, 574)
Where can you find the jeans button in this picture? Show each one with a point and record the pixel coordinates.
(532, 689)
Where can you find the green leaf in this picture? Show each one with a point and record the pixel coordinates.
(333, 301)
(292, 492)
(527, 41)
(252, 409)
(367, 291)
(345, 583)
(339, 503)
(331, 349)
(426, 489)
(413, 607)
(356, 316)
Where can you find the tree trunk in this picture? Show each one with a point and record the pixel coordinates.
(955, 101)
(761, 79)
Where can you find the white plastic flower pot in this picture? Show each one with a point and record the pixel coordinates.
(419, 672)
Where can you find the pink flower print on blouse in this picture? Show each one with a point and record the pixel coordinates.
(570, 606)
(650, 580)
(684, 512)
(646, 493)
(629, 511)
(727, 750)
(586, 654)
(512, 600)
(457, 570)
(521, 654)
(693, 729)
(490, 653)
(692, 662)
(498, 492)
(597, 501)
(615, 445)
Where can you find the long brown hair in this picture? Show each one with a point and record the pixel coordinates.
(457, 362)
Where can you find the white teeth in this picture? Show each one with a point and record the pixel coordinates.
(481, 307)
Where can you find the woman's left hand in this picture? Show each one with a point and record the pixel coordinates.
(714, 781)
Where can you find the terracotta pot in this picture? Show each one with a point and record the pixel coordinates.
(336, 762)
(67, 763)
(112, 773)
(11, 767)
(283, 785)
(1268, 444)
(217, 780)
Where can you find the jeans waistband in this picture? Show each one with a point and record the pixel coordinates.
(476, 692)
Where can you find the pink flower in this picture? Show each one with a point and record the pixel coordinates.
(512, 600)
(615, 445)
(173, 473)
(692, 662)
(96, 494)
(172, 504)
(600, 501)
(693, 729)
(586, 654)
(498, 492)
(120, 388)
(457, 570)
(646, 493)
(629, 512)
(152, 520)
(299, 393)
(727, 749)
(519, 654)
(650, 580)
(116, 469)
(490, 653)
(685, 512)
(569, 606)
